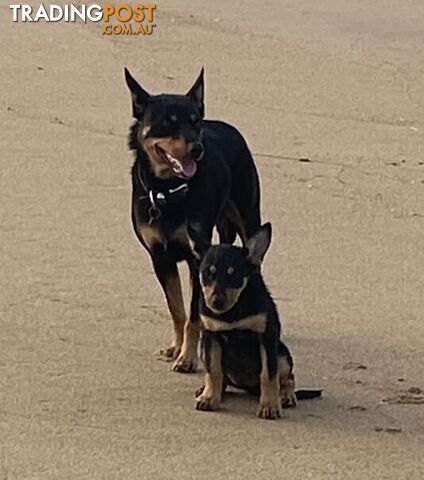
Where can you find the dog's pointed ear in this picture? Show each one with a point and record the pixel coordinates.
(197, 93)
(258, 244)
(138, 94)
(198, 240)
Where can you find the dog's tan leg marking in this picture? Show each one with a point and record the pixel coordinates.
(211, 395)
(174, 298)
(269, 402)
(287, 384)
(188, 358)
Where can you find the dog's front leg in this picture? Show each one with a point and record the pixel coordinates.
(211, 395)
(188, 358)
(167, 273)
(269, 403)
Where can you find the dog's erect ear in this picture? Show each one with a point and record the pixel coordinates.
(138, 94)
(199, 242)
(258, 244)
(197, 93)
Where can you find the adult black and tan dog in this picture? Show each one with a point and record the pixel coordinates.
(187, 169)
(241, 343)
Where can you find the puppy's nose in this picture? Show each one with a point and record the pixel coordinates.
(196, 150)
(219, 301)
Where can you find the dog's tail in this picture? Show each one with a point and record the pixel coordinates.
(303, 394)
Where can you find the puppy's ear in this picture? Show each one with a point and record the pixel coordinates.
(258, 244)
(197, 93)
(138, 94)
(199, 242)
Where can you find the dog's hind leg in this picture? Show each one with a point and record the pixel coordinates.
(230, 224)
(167, 273)
(227, 231)
(245, 195)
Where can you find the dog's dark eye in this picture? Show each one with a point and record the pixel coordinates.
(230, 270)
(209, 272)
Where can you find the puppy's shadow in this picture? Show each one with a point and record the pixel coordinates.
(242, 404)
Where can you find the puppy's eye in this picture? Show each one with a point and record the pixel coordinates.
(194, 119)
(230, 270)
(212, 269)
(173, 118)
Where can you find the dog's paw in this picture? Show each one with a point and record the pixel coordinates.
(288, 397)
(207, 404)
(268, 411)
(168, 354)
(185, 364)
(289, 401)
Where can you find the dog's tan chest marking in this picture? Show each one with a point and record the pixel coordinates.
(254, 323)
(151, 235)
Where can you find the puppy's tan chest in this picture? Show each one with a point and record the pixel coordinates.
(255, 323)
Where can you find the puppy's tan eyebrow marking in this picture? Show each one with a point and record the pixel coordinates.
(230, 270)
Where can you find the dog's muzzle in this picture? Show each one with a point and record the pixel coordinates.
(196, 150)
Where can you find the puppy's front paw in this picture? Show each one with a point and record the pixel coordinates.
(269, 411)
(207, 404)
(185, 364)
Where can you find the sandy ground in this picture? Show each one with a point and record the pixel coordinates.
(336, 81)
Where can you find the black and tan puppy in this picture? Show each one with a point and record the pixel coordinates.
(241, 343)
(186, 169)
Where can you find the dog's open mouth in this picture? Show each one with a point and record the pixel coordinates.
(184, 167)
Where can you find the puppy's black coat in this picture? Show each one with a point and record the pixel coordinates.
(187, 169)
(241, 329)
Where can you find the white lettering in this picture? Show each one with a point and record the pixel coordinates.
(59, 13)
(41, 14)
(76, 13)
(26, 13)
(15, 9)
(98, 13)
(56, 13)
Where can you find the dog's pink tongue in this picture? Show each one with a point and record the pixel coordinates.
(188, 167)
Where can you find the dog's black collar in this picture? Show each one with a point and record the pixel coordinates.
(158, 199)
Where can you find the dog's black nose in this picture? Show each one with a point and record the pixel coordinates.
(196, 150)
(219, 302)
